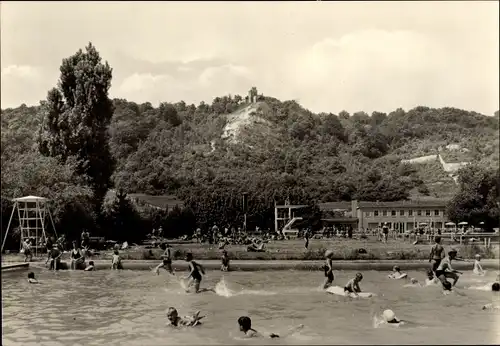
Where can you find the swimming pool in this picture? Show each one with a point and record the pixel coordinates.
(128, 308)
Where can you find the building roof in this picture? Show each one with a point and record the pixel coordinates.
(343, 205)
(30, 199)
(341, 219)
(404, 204)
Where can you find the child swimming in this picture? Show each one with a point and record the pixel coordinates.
(478, 270)
(90, 267)
(225, 262)
(31, 278)
(187, 321)
(396, 273)
(328, 268)
(352, 285)
(116, 262)
(245, 324)
(194, 272)
(167, 260)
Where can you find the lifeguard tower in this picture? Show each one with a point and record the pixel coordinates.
(32, 212)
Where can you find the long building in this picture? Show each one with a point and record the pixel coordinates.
(399, 215)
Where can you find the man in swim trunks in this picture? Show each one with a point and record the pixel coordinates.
(436, 255)
(445, 270)
(328, 268)
(352, 285)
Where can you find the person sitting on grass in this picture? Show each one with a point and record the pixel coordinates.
(188, 321)
(31, 278)
(256, 248)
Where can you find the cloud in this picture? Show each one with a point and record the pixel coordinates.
(20, 71)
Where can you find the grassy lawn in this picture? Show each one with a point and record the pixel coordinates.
(343, 249)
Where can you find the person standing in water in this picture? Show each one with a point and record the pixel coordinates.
(445, 270)
(436, 255)
(478, 270)
(194, 272)
(328, 268)
(225, 262)
(167, 260)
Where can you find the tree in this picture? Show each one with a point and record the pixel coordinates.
(124, 222)
(477, 198)
(76, 116)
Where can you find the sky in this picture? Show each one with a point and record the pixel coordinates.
(328, 56)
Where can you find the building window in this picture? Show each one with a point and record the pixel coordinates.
(384, 212)
(410, 212)
(375, 213)
(427, 213)
(393, 212)
(419, 212)
(401, 213)
(367, 213)
(436, 212)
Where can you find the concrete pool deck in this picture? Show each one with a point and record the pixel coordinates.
(244, 265)
(15, 265)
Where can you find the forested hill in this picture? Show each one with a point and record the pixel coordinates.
(275, 147)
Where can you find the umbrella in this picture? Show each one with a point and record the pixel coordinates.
(422, 224)
(449, 224)
(463, 223)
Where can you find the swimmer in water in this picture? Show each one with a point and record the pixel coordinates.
(245, 324)
(167, 260)
(436, 255)
(225, 262)
(194, 272)
(495, 287)
(478, 270)
(188, 321)
(328, 268)
(90, 267)
(431, 279)
(352, 285)
(396, 273)
(31, 278)
(390, 317)
(445, 271)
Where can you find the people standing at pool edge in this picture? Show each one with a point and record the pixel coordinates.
(328, 268)
(445, 271)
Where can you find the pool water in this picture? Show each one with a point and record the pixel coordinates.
(128, 308)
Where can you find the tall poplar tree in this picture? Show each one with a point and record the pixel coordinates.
(76, 116)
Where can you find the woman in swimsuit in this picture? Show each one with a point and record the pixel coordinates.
(194, 272)
(76, 257)
(436, 255)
